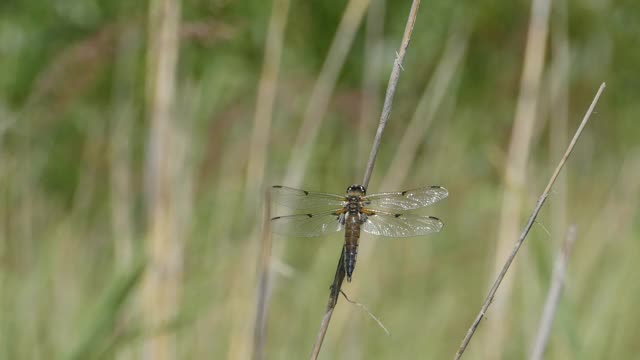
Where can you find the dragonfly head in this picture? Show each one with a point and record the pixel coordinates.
(356, 190)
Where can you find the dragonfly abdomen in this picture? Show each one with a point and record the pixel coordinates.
(351, 237)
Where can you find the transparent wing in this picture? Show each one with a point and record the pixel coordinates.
(307, 225)
(305, 201)
(406, 200)
(401, 225)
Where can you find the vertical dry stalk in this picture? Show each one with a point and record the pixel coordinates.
(428, 106)
(371, 85)
(321, 93)
(555, 290)
(489, 299)
(163, 280)
(264, 102)
(386, 112)
(515, 175)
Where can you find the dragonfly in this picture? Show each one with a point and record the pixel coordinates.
(382, 214)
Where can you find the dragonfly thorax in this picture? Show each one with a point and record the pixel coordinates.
(353, 204)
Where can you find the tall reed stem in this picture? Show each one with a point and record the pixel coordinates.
(163, 278)
(525, 231)
(384, 117)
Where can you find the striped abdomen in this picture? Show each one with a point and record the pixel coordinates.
(351, 237)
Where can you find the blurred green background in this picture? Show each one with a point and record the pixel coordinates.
(76, 164)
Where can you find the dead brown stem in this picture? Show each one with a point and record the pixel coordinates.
(163, 279)
(525, 231)
(386, 111)
(441, 83)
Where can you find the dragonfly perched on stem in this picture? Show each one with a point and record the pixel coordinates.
(377, 214)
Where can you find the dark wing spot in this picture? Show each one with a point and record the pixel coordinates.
(397, 215)
(305, 192)
(276, 218)
(277, 186)
(436, 187)
(404, 192)
(310, 215)
(433, 218)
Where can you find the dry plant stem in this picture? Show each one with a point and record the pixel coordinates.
(264, 283)
(386, 111)
(527, 227)
(162, 280)
(441, 83)
(333, 300)
(555, 290)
